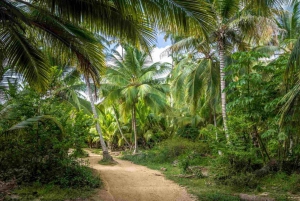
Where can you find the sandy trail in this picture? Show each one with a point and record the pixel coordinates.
(126, 181)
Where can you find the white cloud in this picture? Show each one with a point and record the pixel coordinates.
(156, 55)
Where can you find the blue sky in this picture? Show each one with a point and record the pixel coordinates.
(161, 41)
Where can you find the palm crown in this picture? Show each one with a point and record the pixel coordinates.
(132, 78)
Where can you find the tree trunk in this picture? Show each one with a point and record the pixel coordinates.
(291, 146)
(223, 93)
(215, 124)
(119, 127)
(106, 155)
(134, 129)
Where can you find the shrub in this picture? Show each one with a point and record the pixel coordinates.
(243, 180)
(170, 150)
(294, 183)
(74, 174)
(188, 132)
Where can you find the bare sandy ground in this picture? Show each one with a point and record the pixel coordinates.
(126, 181)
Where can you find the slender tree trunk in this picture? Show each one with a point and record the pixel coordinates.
(119, 127)
(215, 124)
(291, 146)
(106, 155)
(134, 129)
(223, 93)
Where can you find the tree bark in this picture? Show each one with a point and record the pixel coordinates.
(119, 127)
(134, 129)
(106, 155)
(223, 93)
(215, 124)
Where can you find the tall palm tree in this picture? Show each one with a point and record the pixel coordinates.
(132, 78)
(289, 47)
(235, 24)
(106, 155)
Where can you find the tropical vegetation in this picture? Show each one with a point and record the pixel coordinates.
(228, 102)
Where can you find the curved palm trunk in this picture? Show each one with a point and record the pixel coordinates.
(119, 127)
(134, 129)
(223, 93)
(106, 155)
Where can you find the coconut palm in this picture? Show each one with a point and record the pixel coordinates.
(289, 22)
(28, 27)
(196, 80)
(236, 22)
(133, 78)
(235, 25)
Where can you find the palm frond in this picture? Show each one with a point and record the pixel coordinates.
(34, 120)
(294, 60)
(25, 58)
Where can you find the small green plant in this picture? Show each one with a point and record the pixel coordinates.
(170, 150)
(293, 183)
(188, 132)
(184, 164)
(215, 196)
(76, 175)
(50, 192)
(80, 153)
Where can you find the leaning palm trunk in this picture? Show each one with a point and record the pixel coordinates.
(223, 93)
(106, 155)
(134, 129)
(119, 127)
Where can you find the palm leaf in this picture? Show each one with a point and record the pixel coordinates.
(34, 120)
(25, 57)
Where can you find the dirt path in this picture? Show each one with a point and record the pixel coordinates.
(126, 181)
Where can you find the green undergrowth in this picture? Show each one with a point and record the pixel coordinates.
(78, 181)
(173, 157)
(50, 192)
(80, 153)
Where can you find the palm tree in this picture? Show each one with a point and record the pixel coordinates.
(106, 155)
(289, 22)
(198, 79)
(30, 28)
(289, 46)
(133, 78)
(110, 103)
(234, 23)
(27, 28)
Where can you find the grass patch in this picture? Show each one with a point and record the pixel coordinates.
(105, 162)
(51, 192)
